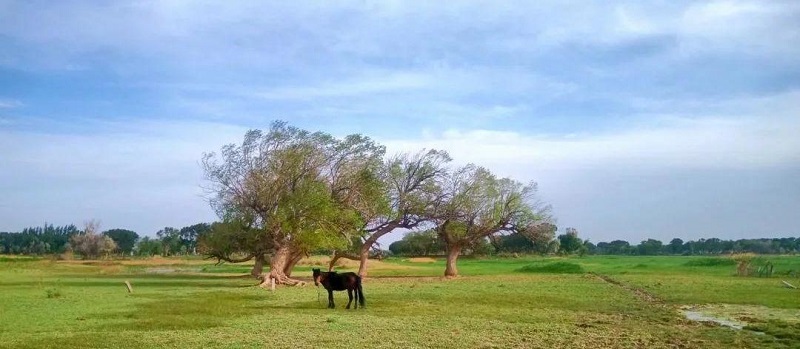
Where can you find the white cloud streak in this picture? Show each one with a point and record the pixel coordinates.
(10, 103)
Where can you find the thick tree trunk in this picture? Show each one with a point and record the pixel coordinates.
(363, 257)
(452, 257)
(280, 260)
(371, 241)
(293, 260)
(258, 267)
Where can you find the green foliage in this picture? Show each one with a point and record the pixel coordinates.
(292, 189)
(765, 270)
(650, 247)
(420, 243)
(570, 242)
(554, 268)
(148, 247)
(53, 293)
(125, 239)
(47, 239)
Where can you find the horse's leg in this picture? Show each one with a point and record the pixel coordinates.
(330, 299)
(350, 297)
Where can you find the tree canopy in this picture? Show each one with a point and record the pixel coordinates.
(289, 191)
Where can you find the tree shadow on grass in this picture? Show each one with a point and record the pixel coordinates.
(191, 312)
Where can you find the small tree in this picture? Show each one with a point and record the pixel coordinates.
(570, 242)
(148, 247)
(90, 244)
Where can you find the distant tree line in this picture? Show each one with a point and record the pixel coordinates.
(51, 239)
(427, 243)
(90, 244)
(712, 246)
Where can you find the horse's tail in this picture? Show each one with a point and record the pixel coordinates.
(360, 293)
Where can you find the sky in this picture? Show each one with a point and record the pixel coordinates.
(637, 119)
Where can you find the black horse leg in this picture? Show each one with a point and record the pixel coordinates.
(350, 298)
(330, 299)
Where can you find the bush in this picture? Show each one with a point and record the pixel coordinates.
(553, 268)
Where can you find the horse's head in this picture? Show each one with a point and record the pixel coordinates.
(317, 274)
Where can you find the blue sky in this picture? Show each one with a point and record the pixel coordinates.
(638, 119)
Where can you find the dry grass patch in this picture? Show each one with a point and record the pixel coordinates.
(422, 260)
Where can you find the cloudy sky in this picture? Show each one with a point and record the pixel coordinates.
(638, 119)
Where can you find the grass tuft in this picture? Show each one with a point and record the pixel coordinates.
(53, 293)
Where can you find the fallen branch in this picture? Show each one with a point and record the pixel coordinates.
(130, 288)
(788, 285)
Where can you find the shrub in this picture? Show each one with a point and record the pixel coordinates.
(53, 293)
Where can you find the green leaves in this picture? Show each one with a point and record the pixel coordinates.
(290, 187)
(478, 204)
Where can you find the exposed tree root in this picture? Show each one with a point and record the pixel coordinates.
(269, 281)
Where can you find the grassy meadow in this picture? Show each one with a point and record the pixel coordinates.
(528, 302)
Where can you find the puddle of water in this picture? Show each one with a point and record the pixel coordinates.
(703, 317)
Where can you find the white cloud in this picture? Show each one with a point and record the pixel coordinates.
(763, 135)
(361, 86)
(258, 33)
(681, 144)
(9, 103)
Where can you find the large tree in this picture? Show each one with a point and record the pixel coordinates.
(125, 239)
(410, 184)
(190, 234)
(476, 205)
(283, 193)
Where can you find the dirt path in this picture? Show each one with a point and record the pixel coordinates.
(640, 294)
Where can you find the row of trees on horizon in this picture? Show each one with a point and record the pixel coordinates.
(90, 243)
(50, 239)
(426, 243)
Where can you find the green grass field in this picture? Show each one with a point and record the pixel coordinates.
(590, 302)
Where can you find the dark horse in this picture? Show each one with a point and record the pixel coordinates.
(333, 281)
